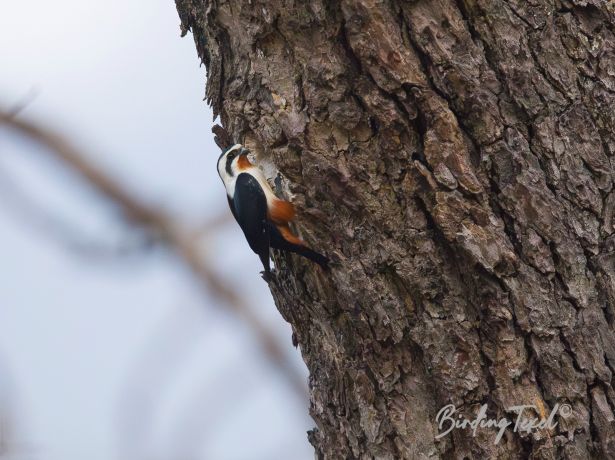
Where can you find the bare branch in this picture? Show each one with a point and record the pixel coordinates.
(75, 240)
(23, 102)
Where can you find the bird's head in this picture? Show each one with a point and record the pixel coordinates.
(233, 161)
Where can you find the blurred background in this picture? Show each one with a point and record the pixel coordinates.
(120, 337)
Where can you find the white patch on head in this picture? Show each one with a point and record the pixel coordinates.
(227, 179)
(234, 147)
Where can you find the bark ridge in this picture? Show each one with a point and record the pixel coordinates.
(455, 160)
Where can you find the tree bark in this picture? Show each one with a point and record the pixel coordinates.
(455, 160)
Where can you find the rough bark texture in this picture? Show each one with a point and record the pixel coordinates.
(455, 160)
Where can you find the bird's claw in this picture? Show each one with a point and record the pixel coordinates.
(267, 276)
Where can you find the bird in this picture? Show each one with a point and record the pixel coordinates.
(263, 217)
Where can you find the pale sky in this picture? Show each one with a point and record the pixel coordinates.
(124, 358)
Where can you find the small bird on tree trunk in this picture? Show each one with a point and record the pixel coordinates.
(263, 217)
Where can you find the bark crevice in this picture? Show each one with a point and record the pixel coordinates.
(455, 160)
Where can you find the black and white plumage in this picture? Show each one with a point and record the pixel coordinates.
(262, 216)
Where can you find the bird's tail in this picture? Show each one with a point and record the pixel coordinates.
(312, 255)
(283, 238)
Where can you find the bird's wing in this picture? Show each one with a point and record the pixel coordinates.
(250, 209)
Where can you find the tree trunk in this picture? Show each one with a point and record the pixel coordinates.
(455, 161)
